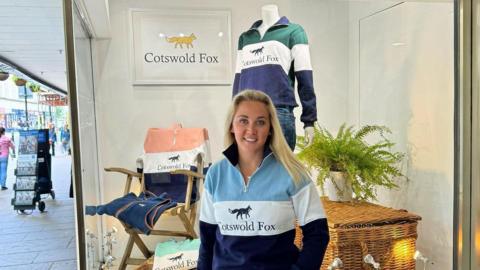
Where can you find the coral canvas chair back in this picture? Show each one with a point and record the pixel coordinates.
(170, 149)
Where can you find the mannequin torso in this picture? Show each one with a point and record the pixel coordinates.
(269, 17)
(291, 47)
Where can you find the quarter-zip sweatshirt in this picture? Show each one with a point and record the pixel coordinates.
(272, 63)
(252, 226)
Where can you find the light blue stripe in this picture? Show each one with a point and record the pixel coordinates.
(270, 183)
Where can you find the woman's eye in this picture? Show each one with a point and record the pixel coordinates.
(261, 122)
(243, 121)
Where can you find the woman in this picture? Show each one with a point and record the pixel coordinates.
(253, 196)
(5, 145)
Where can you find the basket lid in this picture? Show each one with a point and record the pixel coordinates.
(353, 214)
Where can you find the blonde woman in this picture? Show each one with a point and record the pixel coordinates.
(253, 196)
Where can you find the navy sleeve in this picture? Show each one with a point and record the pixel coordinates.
(315, 242)
(307, 97)
(207, 243)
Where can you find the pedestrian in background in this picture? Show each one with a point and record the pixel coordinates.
(52, 136)
(65, 137)
(5, 145)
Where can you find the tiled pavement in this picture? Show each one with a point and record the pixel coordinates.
(40, 241)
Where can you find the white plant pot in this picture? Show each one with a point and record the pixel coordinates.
(338, 188)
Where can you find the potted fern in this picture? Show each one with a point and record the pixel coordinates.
(18, 81)
(33, 87)
(348, 164)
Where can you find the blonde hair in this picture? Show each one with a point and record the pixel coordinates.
(278, 144)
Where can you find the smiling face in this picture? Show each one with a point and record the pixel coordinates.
(250, 127)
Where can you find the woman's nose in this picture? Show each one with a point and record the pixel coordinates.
(251, 128)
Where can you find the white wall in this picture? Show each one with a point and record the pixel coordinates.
(125, 112)
(402, 77)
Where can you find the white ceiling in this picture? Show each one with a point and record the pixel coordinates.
(32, 38)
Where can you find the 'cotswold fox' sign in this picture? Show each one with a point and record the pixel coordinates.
(180, 47)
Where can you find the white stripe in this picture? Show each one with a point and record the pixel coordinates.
(307, 204)
(251, 218)
(263, 53)
(301, 57)
(207, 213)
(175, 160)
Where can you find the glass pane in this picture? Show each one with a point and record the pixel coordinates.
(378, 63)
(88, 141)
(406, 83)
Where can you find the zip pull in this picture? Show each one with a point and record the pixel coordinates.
(245, 186)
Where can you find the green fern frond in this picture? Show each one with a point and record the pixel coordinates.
(367, 166)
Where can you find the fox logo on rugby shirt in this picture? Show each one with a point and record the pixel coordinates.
(174, 158)
(241, 212)
(257, 51)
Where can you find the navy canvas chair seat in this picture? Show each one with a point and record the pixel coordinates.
(174, 161)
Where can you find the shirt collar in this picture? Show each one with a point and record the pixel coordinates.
(283, 21)
(231, 153)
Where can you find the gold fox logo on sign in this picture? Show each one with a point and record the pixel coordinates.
(181, 40)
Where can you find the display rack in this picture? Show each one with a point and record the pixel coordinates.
(33, 172)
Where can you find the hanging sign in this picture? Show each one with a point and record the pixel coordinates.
(180, 47)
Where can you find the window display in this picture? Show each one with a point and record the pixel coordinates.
(375, 67)
(173, 165)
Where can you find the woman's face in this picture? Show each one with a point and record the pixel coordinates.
(251, 126)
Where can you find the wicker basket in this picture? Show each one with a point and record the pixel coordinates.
(361, 228)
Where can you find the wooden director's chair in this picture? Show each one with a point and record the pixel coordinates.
(174, 162)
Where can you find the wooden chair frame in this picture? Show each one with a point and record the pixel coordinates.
(186, 212)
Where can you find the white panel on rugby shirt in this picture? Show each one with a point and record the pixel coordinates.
(238, 66)
(255, 217)
(301, 57)
(159, 162)
(271, 47)
(207, 212)
(307, 204)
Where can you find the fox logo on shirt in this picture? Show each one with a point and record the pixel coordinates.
(176, 258)
(257, 51)
(174, 158)
(241, 212)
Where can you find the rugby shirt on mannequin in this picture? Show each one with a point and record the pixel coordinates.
(272, 62)
(252, 226)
